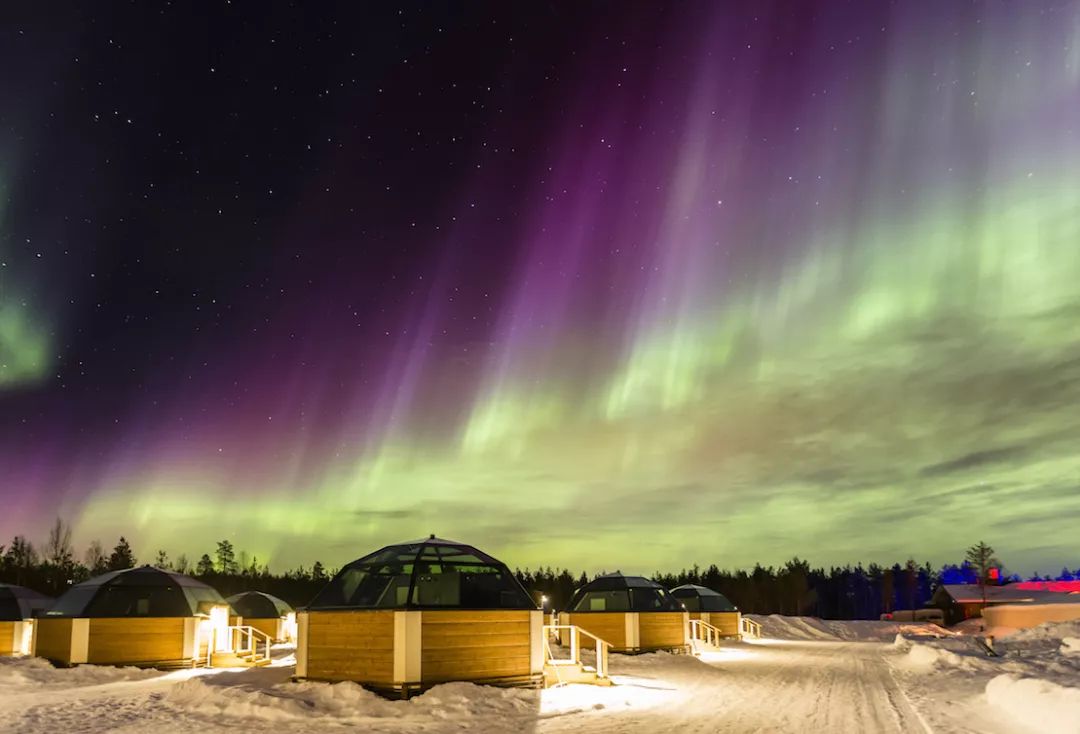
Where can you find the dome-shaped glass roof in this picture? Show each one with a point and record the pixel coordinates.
(137, 592)
(424, 574)
(615, 592)
(19, 602)
(258, 605)
(702, 599)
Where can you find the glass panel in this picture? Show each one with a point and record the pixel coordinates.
(613, 600)
(692, 603)
(370, 586)
(648, 600)
(73, 603)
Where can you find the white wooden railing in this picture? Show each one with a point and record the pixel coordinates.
(242, 640)
(701, 631)
(246, 640)
(574, 633)
(749, 628)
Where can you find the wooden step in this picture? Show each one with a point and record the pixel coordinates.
(572, 673)
(232, 660)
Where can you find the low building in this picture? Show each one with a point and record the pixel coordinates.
(18, 607)
(710, 607)
(631, 613)
(413, 615)
(139, 616)
(272, 616)
(966, 601)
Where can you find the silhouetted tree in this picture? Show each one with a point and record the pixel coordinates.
(981, 557)
(226, 558)
(205, 567)
(95, 559)
(121, 556)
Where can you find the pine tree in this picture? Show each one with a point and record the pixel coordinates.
(205, 566)
(981, 557)
(162, 560)
(226, 558)
(318, 573)
(121, 556)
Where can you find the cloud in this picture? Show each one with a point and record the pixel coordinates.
(974, 460)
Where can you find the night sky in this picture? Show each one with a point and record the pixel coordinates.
(606, 285)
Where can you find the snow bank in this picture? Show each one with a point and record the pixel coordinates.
(923, 658)
(347, 703)
(22, 672)
(1070, 646)
(779, 627)
(1042, 705)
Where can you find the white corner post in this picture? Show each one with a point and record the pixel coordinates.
(633, 630)
(80, 640)
(536, 642)
(301, 644)
(407, 642)
(191, 638)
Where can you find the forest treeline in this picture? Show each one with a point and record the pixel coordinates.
(847, 592)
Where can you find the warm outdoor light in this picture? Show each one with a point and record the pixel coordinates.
(219, 628)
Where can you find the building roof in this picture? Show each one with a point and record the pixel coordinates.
(137, 592)
(19, 602)
(1007, 594)
(1062, 587)
(617, 592)
(432, 573)
(702, 599)
(259, 605)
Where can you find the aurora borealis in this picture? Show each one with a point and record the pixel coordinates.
(606, 286)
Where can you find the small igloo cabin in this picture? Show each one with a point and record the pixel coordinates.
(18, 607)
(415, 614)
(710, 607)
(631, 613)
(142, 616)
(272, 616)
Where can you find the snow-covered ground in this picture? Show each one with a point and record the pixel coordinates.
(809, 676)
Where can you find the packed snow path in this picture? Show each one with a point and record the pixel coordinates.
(801, 687)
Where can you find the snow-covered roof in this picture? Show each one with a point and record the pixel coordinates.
(1008, 594)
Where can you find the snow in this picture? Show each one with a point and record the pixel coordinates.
(1052, 708)
(810, 675)
(775, 626)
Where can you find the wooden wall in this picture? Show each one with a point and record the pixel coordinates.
(7, 638)
(127, 640)
(351, 645)
(272, 626)
(476, 645)
(608, 626)
(54, 639)
(726, 622)
(661, 630)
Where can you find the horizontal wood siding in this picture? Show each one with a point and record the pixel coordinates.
(659, 630)
(7, 638)
(608, 626)
(478, 645)
(726, 622)
(267, 625)
(351, 645)
(121, 640)
(54, 639)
